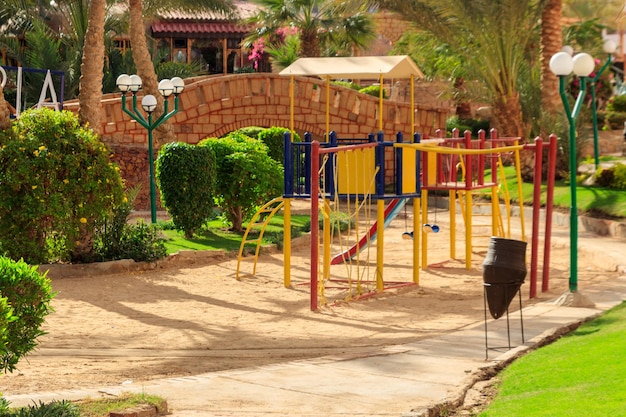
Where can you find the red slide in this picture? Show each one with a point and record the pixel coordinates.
(391, 211)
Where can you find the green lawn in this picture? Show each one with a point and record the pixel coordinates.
(215, 235)
(581, 374)
(599, 201)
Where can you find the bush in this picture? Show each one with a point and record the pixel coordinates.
(615, 120)
(613, 177)
(250, 131)
(28, 293)
(4, 407)
(473, 125)
(186, 178)
(53, 409)
(347, 84)
(246, 176)
(373, 90)
(620, 176)
(617, 104)
(117, 239)
(141, 242)
(56, 181)
(6, 317)
(604, 177)
(274, 138)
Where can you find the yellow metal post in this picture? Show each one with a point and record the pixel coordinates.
(416, 239)
(519, 190)
(380, 104)
(468, 229)
(327, 238)
(420, 229)
(327, 108)
(291, 105)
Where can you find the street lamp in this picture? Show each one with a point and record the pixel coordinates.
(582, 64)
(132, 83)
(609, 47)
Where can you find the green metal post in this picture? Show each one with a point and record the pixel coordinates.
(596, 150)
(150, 126)
(151, 162)
(571, 117)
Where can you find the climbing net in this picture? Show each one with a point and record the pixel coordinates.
(348, 179)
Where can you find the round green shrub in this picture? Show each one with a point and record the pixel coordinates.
(250, 131)
(56, 181)
(617, 104)
(615, 120)
(274, 138)
(186, 177)
(28, 293)
(373, 90)
(247, 176)
(347, 84)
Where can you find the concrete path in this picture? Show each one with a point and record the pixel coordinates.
(405, 380)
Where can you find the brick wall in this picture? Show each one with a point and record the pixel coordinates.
(214, 106)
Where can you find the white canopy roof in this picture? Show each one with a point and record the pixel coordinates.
(358, 67)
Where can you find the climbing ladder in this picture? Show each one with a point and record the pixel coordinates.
(258, 220)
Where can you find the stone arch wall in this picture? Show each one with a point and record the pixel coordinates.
(213, 106)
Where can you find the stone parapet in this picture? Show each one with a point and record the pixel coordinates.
(215, 106)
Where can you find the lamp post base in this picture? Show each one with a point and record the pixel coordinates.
(574, 299)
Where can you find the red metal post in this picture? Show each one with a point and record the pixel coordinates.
(545, 282)
(481, 158)
(536, 216)
(468, 162)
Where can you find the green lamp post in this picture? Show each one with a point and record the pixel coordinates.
(582, 64)
(609, 47)
(132, 83)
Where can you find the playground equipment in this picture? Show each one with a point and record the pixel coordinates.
(475, 158)
(363, 171)
(357, 173)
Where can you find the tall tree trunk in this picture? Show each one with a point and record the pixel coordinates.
(507, 116)
(91, 69)
(551, 43)
(5, 117)
(90, 106)
(310, 45)
(145, 68)
(551, 105)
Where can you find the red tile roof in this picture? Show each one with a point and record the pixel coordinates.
(198, 28)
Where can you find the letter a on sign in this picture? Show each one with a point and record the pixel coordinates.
(48, 85)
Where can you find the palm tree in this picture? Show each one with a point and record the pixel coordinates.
(551, 43)
(90, 90)
(141, 53)
(491, 36)
(324, 26)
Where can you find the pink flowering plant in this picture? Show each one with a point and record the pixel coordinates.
(265, 43)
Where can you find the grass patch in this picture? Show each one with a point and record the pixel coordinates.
(217, 236)
(103, 406)
(580, 374)
(599, 201)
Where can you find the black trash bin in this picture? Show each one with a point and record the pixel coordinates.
(504, 271)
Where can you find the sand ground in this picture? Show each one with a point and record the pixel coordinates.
(193, 316)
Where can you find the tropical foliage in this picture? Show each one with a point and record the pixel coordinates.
(246, 176)
(323, 28)
(28, 295)
(186, 178)
(56, 179)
